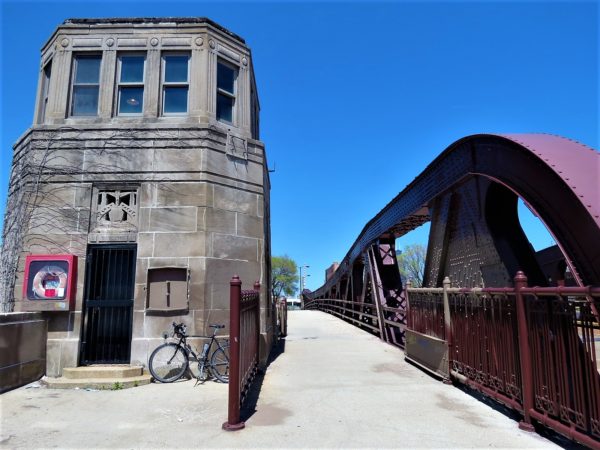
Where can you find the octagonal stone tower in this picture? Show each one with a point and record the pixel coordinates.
(145, 164)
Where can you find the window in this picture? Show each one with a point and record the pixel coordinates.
(86, 85)
(175, 85)
(45, 87)
(226, 76)
(131, 85)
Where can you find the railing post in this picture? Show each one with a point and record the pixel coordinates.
(524, 353)
(233, 417)
(447, 327)
(257, 322)
(409, 321)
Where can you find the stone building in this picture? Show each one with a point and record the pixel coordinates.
(142, 187)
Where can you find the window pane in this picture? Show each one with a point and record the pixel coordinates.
(131, 100)
(85, 100)
(132, 69)
(175, 100)
(224, 108)
(87, 69)
(176, 68)
(225, 77)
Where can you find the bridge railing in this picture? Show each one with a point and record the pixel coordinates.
(244, 323)
(360, 314)
(534, 349)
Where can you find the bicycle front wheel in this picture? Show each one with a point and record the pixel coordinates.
(219, 364)
(168, 363)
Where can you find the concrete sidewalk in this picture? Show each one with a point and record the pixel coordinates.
(333, 386)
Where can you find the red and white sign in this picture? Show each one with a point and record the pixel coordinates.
(50, 277)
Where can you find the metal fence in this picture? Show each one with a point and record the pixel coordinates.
(534, 349)
(244, 336)
(361, 314)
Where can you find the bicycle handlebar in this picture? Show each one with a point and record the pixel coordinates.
(180, 329)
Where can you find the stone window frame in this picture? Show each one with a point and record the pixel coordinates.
(119, 84)
(72, 83)
(44, 91)
(233, 95)
(164, 83)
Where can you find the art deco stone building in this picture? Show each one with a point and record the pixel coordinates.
(143, 182)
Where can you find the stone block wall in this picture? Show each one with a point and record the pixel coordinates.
(204, 211)
(189, 190)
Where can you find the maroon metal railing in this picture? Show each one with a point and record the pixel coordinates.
(244, 323)
(533, 349)
(485, 348)
(425, 313)
(360, 314)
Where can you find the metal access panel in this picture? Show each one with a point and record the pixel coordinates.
(108, 304)
(167, 289)
(428, 352)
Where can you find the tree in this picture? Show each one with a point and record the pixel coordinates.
(411, 262)
(284, 276)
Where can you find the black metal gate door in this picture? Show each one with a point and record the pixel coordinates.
(108, 304)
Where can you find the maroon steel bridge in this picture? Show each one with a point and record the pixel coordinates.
(476, 321)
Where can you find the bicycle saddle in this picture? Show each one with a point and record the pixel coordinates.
(217, 326)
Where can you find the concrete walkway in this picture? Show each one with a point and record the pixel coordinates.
(334, 386)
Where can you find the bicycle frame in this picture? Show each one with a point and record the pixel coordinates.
(203, 357)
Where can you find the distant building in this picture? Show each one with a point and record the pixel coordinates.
(140, 190)
(331, 270)
(553, 264)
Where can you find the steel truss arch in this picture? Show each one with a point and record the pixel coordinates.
(557, 177)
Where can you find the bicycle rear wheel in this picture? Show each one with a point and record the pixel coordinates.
(219, 364)
(168, 363)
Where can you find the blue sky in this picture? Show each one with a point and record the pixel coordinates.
(357, 98)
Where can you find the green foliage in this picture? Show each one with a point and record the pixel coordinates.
(284, 276)
(117, 386)
(411, 262)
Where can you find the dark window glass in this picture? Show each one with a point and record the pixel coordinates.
(175, 99)
(131, 100)
(176, 68)
(225, 78)
(87, 69)
(85, 100)
(224, 108)
(86, 85)
(132, 69)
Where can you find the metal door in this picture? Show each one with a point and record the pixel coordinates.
(108, 304)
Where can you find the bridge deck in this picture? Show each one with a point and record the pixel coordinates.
(334, 386)
(337, 386)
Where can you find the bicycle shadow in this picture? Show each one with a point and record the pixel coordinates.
(248, 408)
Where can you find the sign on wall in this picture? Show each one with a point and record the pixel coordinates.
(50, 282)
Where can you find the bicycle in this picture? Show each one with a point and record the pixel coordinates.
(171, 360)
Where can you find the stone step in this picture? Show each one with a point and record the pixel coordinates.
(103, 383)
(102, 371)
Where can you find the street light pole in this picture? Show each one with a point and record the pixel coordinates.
(302, 279)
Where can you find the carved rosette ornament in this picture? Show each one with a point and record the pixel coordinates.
(154, 42)
(212, 44)
(199, 41)
(64, 42)
(110, 42)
